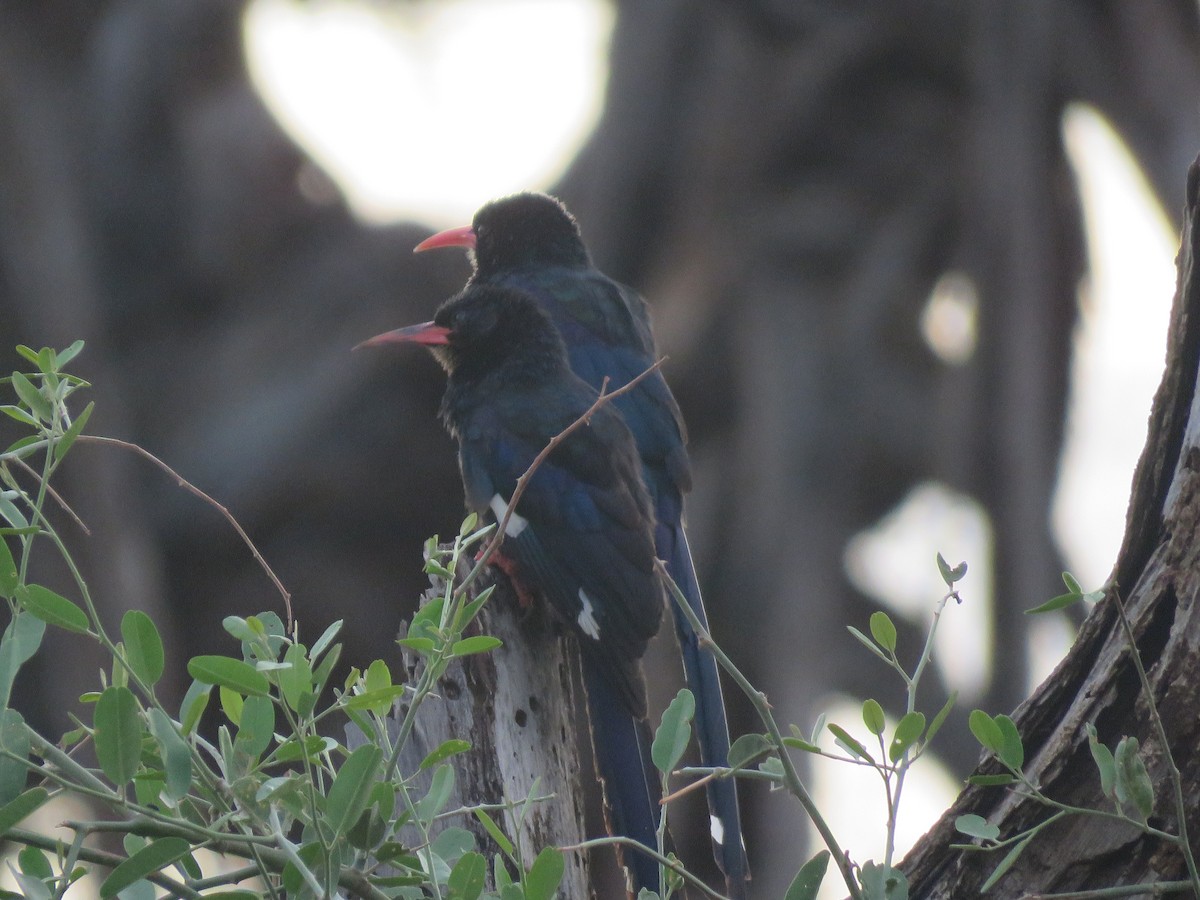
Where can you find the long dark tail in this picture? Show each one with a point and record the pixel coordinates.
(712, 728)
(632, 789)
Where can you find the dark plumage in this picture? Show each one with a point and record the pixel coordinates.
(531, 243)
(582, 535)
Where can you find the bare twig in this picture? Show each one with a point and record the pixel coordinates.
(192, 489)
(53, 493)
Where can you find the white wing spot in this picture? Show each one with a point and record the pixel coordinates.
(516, 524)
(717, 829)
(587, 619)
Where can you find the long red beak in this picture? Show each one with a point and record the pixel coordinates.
(463, 236)
(425, 333)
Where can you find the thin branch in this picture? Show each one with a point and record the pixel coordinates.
(637, 846)
(192, 489)
(54, 495)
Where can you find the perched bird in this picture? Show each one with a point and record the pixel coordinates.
(582, 533)
(530, 242)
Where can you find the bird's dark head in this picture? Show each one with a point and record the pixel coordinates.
(483, 329)
(522, 230)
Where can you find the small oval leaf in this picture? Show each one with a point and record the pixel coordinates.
(872, 714)
(52, 608)
(673, 734)
(150, 859)
(225, 671)
(118, 734)
(883, 629)
(143, 646)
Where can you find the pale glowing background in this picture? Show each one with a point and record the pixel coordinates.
(425, 112)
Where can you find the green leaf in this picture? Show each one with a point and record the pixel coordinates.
(313, 746)
(986, 731)
(950, 575)
(28, 352)
(883, 882)
(33, 862)
(673, 734)
(52, 608)
(936, 725)
(195, 701)
(992, 780)
(424, 646)
(351, 787)
(21, 641)
(447, 749)
(1012, 751)
(32, 397)
(977, 827)
(748, 748)
(16, 811)
(150, 859)
(1105, 764)
(295, 682)
(143, 646)
(256, 727)
(69, 436)
(545, 875)
(227, 672)
(848, 743)
(32, 888)
(1005, 864)
(18, 413)
(807, 882)
(453, 843)
(1071, 583)
(501, 839)
(377, 677)
(176, 757)
(325, 639)
(14, 738)
(439, 792)
(9, 578)
(1059, 602)
(379, 701)
(468, 877)
(480, 643)
(118, 734)
(908, 732)
(46, 361)
(231, 704)
(1133, 785)
(65, 356)
(883, 629)
(872, 714)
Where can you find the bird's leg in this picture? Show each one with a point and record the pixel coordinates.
(508, 566)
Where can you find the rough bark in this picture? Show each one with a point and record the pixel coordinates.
(1158, 578)
(517, 707)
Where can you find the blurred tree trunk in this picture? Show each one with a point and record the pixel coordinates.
(787, 183)
(1157, 578)
(151, 205)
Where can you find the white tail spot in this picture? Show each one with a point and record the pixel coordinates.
(587, 619)
(717, 829)
(516, 524)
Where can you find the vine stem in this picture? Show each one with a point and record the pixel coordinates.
(759, 700)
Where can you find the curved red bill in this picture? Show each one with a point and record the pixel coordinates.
(425, 333)
(463, 236)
